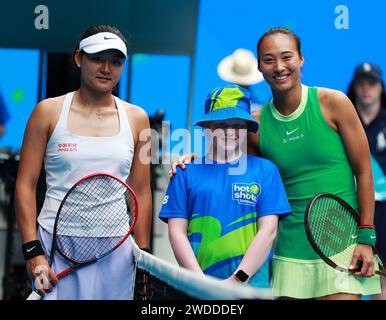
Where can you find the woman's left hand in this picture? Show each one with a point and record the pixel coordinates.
(363, 253)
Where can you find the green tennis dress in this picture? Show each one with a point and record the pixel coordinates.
(311, 159)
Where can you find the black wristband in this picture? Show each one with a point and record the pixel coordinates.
(146, 250)
(32, 249)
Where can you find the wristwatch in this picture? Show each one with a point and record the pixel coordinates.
(241, 276)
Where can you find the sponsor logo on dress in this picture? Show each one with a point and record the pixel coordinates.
(67, 147)
(246, 193)
(290, 137)
(291, 132)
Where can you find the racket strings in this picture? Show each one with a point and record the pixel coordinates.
(95, 217)
(334, 230)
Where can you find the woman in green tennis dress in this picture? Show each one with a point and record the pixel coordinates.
(315, 138)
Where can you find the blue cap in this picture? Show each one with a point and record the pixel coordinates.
(368, 70)
(229, 102)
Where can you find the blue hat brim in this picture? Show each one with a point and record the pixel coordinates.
(227, 114)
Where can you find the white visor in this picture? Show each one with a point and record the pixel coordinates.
(102, 41)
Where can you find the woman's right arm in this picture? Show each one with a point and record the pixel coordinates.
(31, 160)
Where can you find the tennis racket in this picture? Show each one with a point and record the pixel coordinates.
(94, 218)
(332, 227)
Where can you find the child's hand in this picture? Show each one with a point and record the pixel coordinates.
(231, 279)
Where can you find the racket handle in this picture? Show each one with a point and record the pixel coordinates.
(358, 267)
(381, 273)
(34, 296)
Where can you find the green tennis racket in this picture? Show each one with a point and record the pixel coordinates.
(332, 227)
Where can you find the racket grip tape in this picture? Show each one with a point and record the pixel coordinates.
(358, 267)
(34, 296)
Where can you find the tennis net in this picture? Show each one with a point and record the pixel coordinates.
(160, 280)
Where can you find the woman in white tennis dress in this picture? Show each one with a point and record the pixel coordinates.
(83, 132)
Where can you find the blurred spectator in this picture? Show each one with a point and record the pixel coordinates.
(4, 115)
(241, 68)
(367, 93)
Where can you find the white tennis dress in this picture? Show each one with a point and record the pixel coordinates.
(70, 157)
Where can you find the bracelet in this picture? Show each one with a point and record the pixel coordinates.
(32, 249)
(367, 236)
(371, 226)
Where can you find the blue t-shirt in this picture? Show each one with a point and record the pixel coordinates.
(222, 209)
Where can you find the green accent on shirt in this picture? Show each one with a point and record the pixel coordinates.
(311, 159)
(215, 246)
(248, 216)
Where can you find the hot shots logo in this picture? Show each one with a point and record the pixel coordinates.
(246, 193)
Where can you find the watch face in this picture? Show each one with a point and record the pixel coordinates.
(241, 276)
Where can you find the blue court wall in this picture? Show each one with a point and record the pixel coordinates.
(161, 81)
(19, 82)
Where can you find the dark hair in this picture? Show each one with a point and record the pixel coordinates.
(353, 97)
(282, 30)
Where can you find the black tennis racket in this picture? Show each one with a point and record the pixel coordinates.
(95, 217)
(332, 227)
